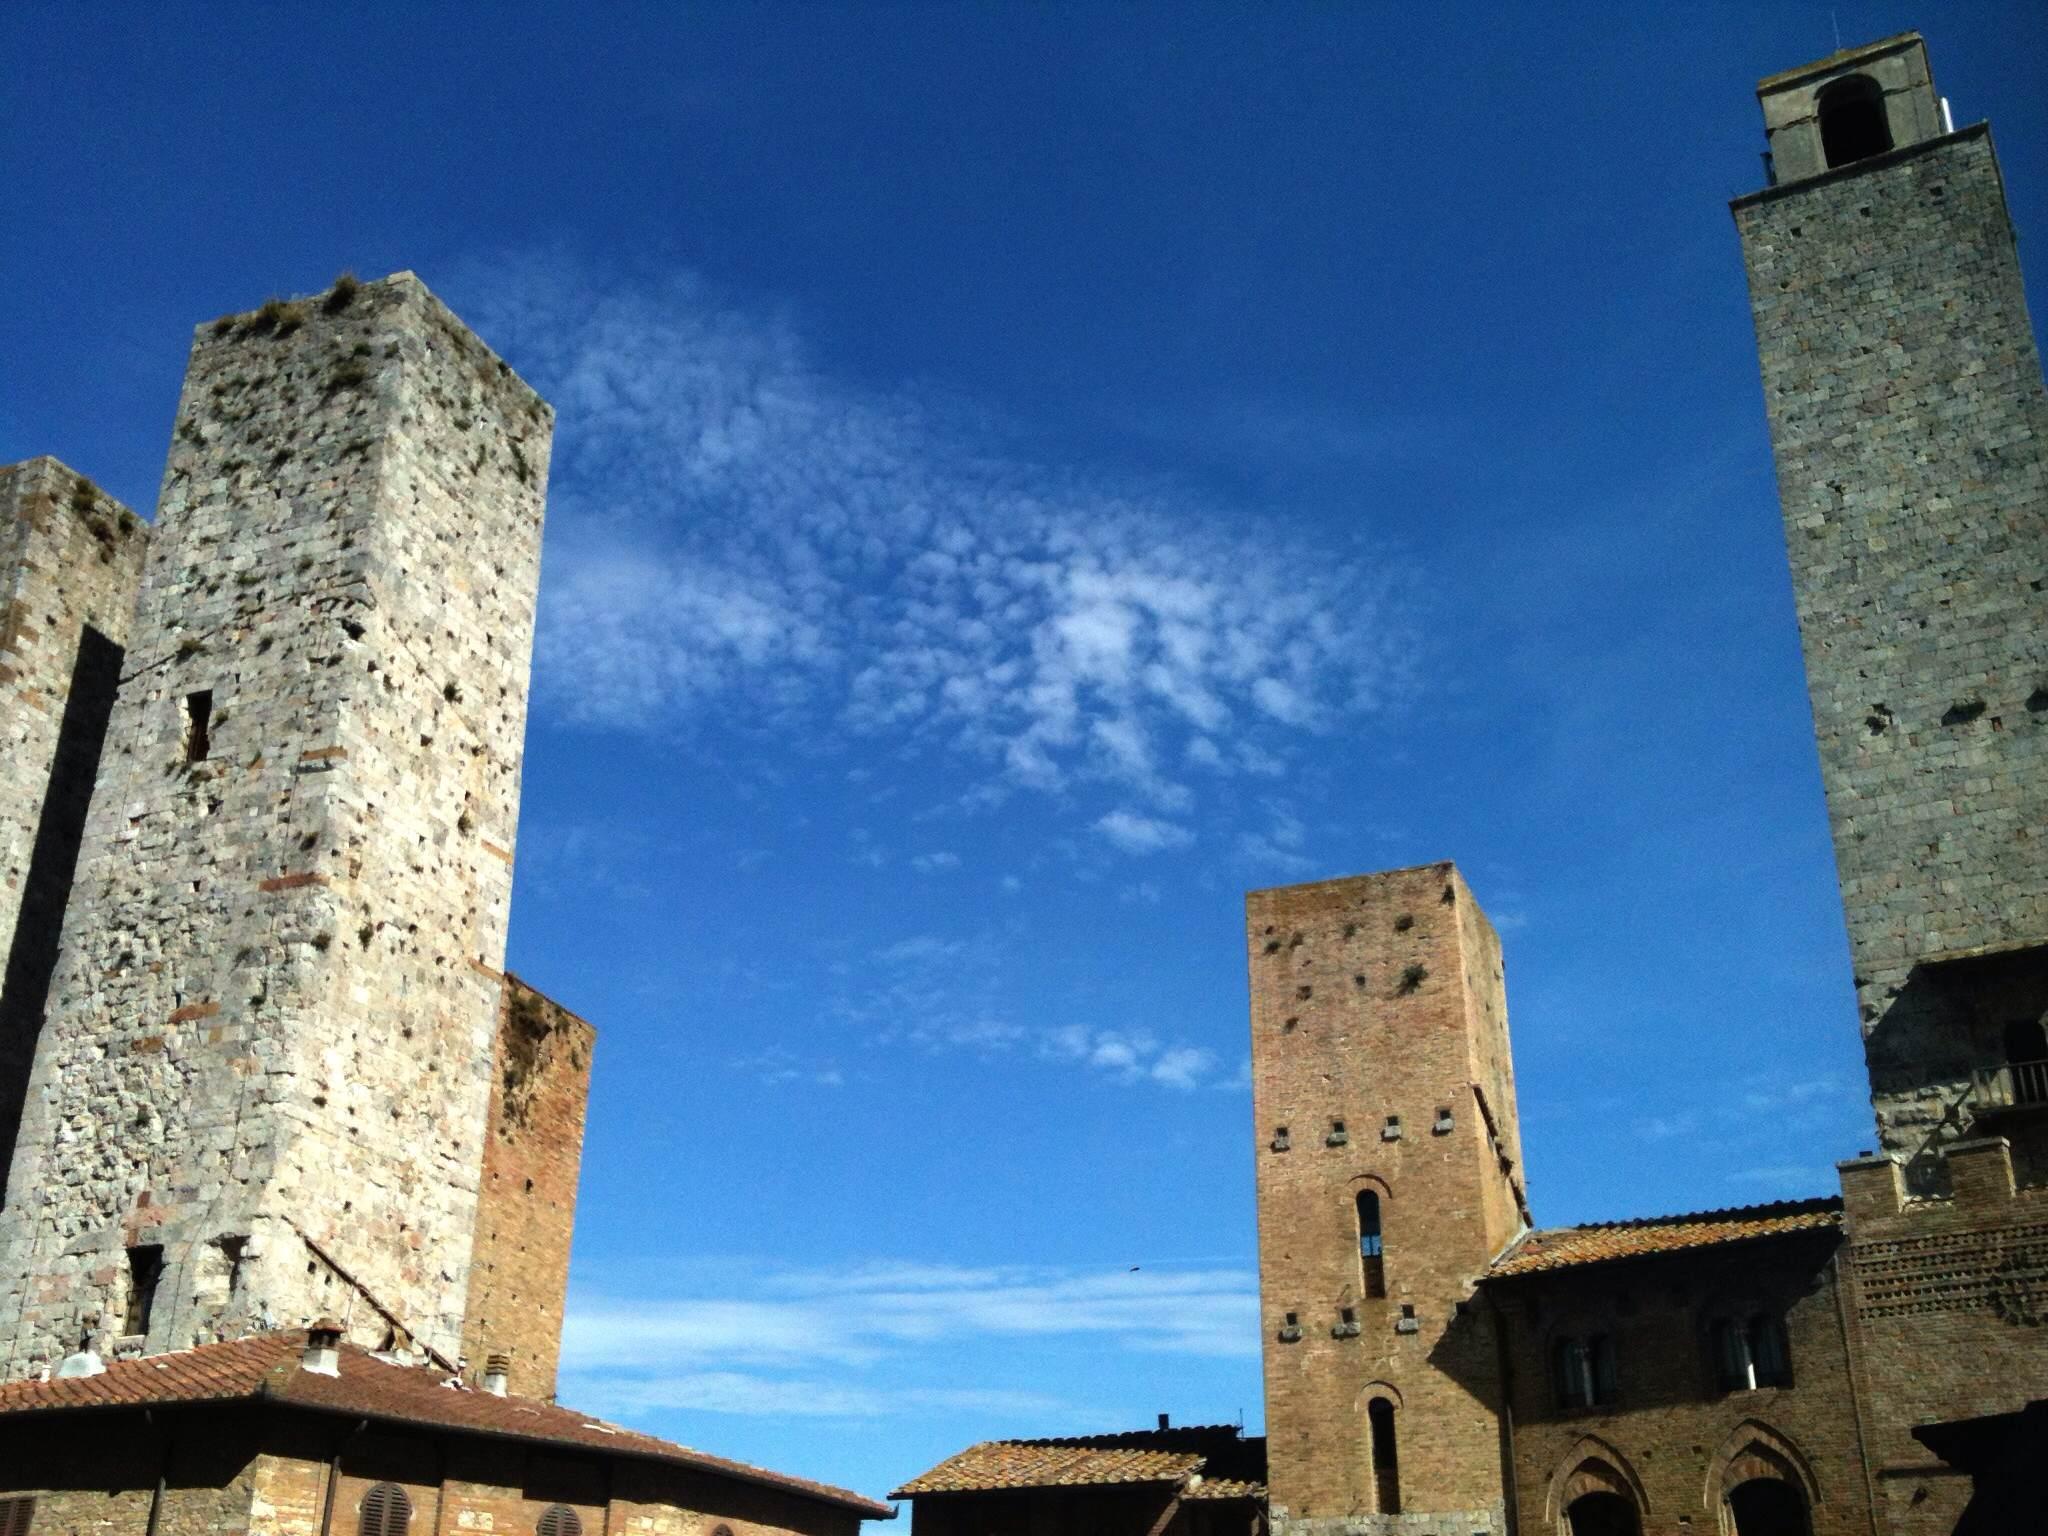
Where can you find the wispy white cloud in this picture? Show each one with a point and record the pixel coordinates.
(739, 535)
(1134, 833)
(773, 1339)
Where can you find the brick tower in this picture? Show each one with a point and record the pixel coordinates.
(263, 1087)
(1389, 1175)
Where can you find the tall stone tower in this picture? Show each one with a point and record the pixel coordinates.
(1909, 423)
(263, 1086)
(1389, 1175)
(70, 563)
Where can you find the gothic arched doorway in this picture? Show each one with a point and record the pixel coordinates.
(1766, 1506)
(1602, 1514)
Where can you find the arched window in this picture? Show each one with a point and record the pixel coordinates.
(1584, 1368)
(1852, 121)
(1386, 1456)
(386, 1511)
(1767, 1506)
(1371, 1260)
(1750, 1352)
(558, 1520)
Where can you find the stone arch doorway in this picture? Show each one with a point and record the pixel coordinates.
(1598, 1496)
(1601, 1513)
(1766, 1506)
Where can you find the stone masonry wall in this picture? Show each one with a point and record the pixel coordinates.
(70, 563)
(526, 1207)
(1908, 420)
(1379, 1044)
(270, 1042)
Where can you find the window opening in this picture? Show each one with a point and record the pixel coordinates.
(145, 1269)
(559, 1520)
(2026, 1057)
(1371, 1258)
(1585, 1371)
(198, 722)
(16, 1515)
(1852, 121)
(1750, 1352)
(386, 1511)
(1386, 1456)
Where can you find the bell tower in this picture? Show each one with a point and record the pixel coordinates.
(1907, 418)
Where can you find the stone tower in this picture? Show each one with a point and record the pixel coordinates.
(1389, 1175)
(263, 1086)
(70, 562)
(1908, 421)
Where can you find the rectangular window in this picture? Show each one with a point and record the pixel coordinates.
(198, 720)
(145, 1269)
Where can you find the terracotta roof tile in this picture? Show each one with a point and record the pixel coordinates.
(268, 1366)
(1562, 1247)
(1049, 1464)
(1223, 1488)
(1075, 1461)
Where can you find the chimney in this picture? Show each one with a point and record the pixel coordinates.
(1162, 1422)
(496, 1369)
(323, 1348)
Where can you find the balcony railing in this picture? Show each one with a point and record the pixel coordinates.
(2018, 1085)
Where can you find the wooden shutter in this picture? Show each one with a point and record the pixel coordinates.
(15, 1515)
(559, 1520)
(386, 1511)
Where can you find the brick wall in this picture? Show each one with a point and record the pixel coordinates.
(1674, 1441)
(245, 1469)
(1908, 421)
(1375, 1000)
(526, 1206)
(70, 562)
(270, 1040)
(1948, 1301)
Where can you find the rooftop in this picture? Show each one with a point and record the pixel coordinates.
(269, 1367)
(1599, 1242)
(1177, 1456)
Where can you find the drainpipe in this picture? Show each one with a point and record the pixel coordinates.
(163, 1472)
(334, 1476)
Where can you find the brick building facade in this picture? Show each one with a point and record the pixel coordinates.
(261, 1064)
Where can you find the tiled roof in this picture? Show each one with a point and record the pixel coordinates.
(1223, 1488)
(268, 1366)
(1077, 1461)
(1561, 1247)
(1049, 1464)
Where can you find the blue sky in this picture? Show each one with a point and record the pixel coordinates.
(1026, 475)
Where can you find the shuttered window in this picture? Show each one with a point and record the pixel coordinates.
(15, 1516)
(558, 1520)
(386, 1511)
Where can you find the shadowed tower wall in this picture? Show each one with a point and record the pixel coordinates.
(262, 1090)
(1380, 1067)
(1908, 422)
(70, 563)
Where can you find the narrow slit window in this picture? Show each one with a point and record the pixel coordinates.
(145, 1269)
(1386, 1456)
(1371, 1258)
(198, 725)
